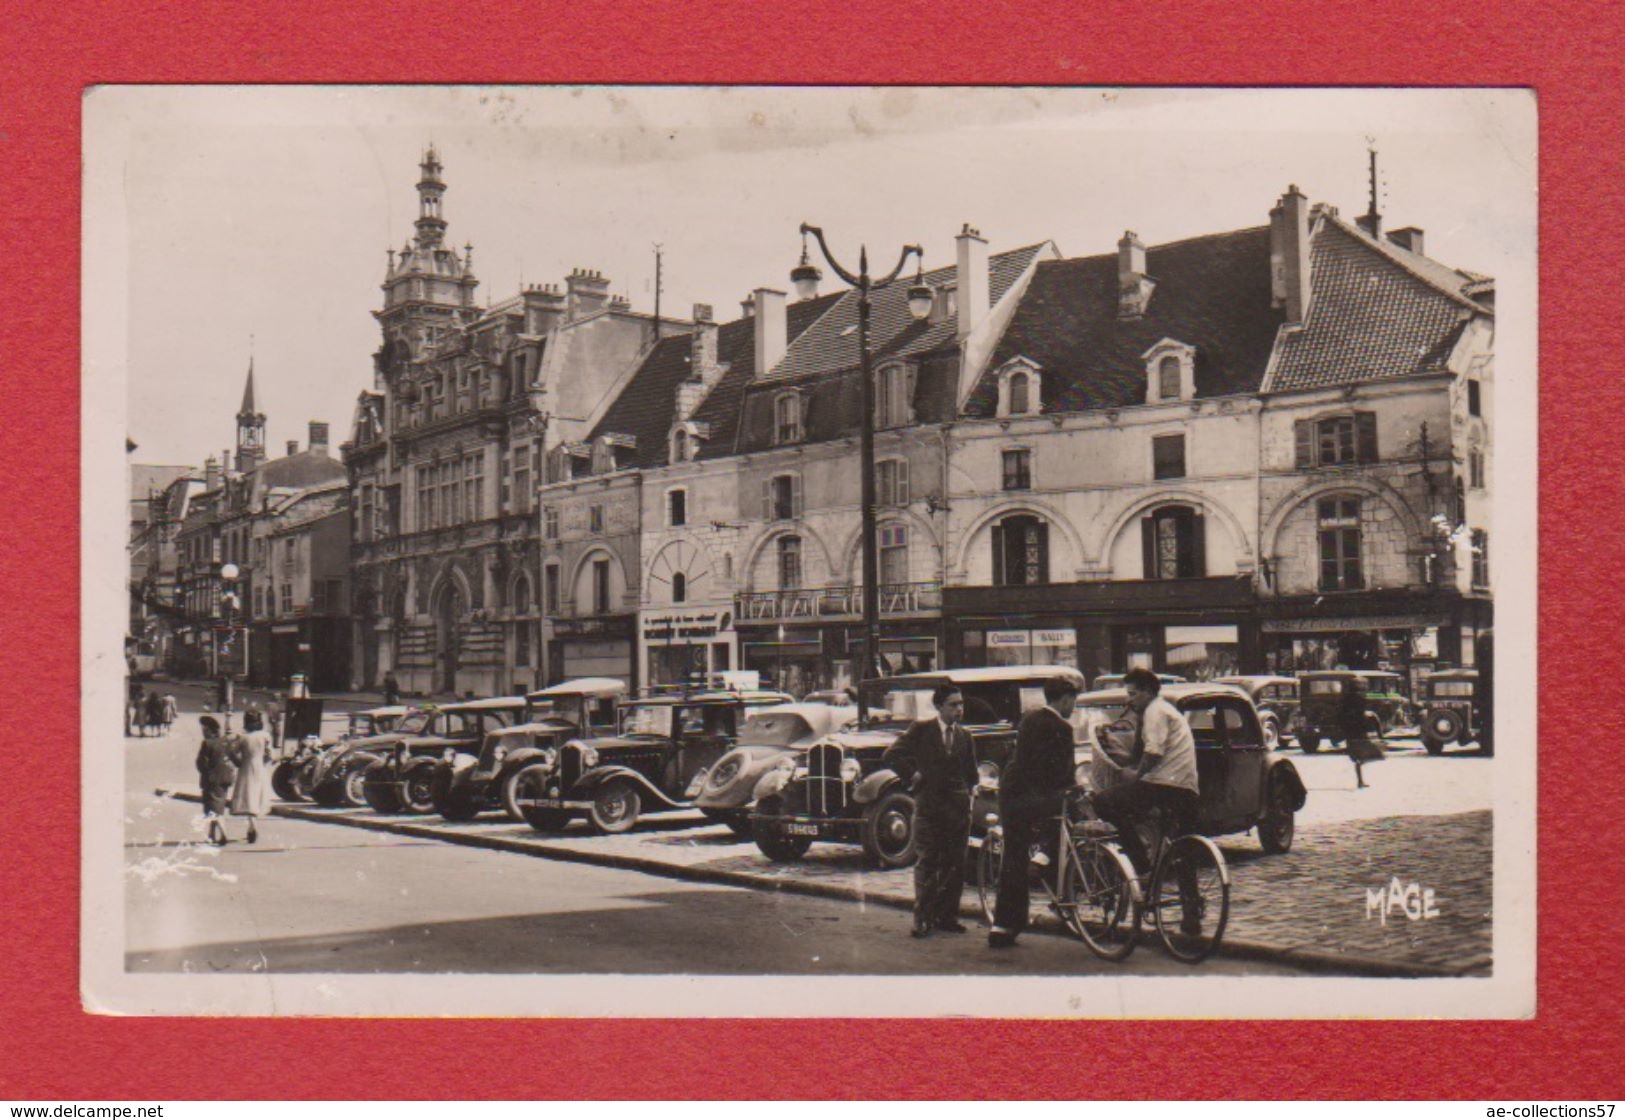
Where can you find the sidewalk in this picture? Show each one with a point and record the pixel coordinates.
(1308, 907)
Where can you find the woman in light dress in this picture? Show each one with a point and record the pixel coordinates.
(251, 796)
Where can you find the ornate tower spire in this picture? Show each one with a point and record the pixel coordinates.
(250, 427)
(431, 223)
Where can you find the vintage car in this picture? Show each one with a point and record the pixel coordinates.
(1320, 699)
(1241, 785)
(648, 768)
(835, 697)
(1276, 699)
(295, 771)
(724, 791)
(401, 779)
(337, 775)
(1115, 680)
(1452, 711)
(467, 783)
(838, 790)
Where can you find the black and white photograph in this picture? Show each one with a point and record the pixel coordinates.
(751, 551)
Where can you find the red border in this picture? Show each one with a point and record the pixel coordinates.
(54, 50)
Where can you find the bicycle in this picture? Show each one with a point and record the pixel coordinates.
(1189, 882)
(1096, 892)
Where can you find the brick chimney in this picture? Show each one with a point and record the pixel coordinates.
(293, 447)
(1289, 255)
(772, 328)
(1408, 238)
(747, 307)
(971, 281)
(318, 436)
(211, 473)
(702, 355)
(588, 292)
(544, 307)
(1134, 287)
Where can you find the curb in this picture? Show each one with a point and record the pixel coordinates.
(1312, 960)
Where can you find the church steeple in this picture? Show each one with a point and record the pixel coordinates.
(250, 428)
(428, 286)
(431, 223)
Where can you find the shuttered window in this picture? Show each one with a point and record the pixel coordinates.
(1336, 441)
(1020, 551)
(1173, 543)
(781, 497)
(891, 482)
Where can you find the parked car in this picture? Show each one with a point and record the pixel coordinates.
(724, 792)
(469, 781)
(1276, 699)
(1320, 702)
(1241, 784)
(336, 777)
(838, 790)
(401, 779)
(836, 697)
(1115, 680)
(1451, 712)
(295, 772)
(648, 768)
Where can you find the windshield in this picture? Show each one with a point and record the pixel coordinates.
(1453, 688)
(1326, 686)
(647, 719)
(711, 720)
(1381, 682)
(985, 701)
(414, 723)
(773, 729)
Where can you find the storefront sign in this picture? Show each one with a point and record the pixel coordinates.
(685, 626)
(285, 629)
(1007, 639)
(1056, 638)
(1372, 622)
(592, 627)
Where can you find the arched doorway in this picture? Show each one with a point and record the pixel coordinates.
(450, 606)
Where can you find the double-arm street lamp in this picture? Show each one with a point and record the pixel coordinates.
(805, 277)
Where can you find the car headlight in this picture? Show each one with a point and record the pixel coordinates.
(499, 754)
(850, 770)
(449, 755)
(987, 775)
(550, 757)
(1081, 775)
(589, 757)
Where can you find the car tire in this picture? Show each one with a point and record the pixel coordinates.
(736, 819)
(416, 790)
(542, 820)
(381, 797)
(451, 803)
(329, 795)
(888, 831)
(510, 795)
(282, 781)
(615, 807)
(1279, 824)
(1445, 726)
(301, 780)
(1309, 740)
(1433, 745)
(353, 786)
(770, 838)
(1272, 733)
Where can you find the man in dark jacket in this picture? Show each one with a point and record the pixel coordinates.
(935, 756)
(1030, 789)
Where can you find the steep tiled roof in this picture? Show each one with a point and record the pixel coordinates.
(305, 468)
(1371, 315)
(832, 344)
(646, 406)
(1212, 293)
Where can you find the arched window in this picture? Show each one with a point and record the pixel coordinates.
(679, 587)
(1168, 387)
(679, 446)
(787, 418)
(789, 563)
(1173, 542)
(1020, 551)
(1018, 394)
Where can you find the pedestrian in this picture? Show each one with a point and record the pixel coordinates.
(392, 689)
(1361, 750)
(134, 710)
(216, 773)
(251, 751)
(936, 758)
(1030, 789)
(171, 711)
(153, 714)
(273, 722)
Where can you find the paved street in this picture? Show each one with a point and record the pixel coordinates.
(414, 902)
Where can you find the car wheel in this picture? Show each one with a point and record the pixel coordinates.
(770, 838)
(888, 830)
(1434, 746)
(1309, 740)
(329, 795)
(510, 795)
(417, 790)
(1279, 823)
(381, 797)
(301, 780)
(353, 784)
(615, 807)
(1272, 734)
(736, 819)
(531, 783)
(282, 781)
(1445, 726)
(451, 803)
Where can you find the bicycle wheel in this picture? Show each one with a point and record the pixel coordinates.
(987, 871)
(1100, 900)
(1190, 898)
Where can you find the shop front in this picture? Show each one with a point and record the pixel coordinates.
(802, 641)
(1196, 628)
(687, 645)
(593, 647)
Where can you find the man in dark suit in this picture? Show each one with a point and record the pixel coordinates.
(936, 757)
(1030, 788)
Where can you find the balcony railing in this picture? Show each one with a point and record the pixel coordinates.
(837, 602)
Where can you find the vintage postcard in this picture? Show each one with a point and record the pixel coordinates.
(582, 551)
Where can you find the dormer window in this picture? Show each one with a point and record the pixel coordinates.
(894, 400)
(680, 446)
(603, 459)
(1170, 372)
(1020, 388)
(787, 418)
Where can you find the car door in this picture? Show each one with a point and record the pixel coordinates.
(1244, 759)
(1212, 768)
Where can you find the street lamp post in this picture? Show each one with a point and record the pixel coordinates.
(228, 608)
(805, 276)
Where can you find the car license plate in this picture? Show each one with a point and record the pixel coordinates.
(548, 803)
(801, 829)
